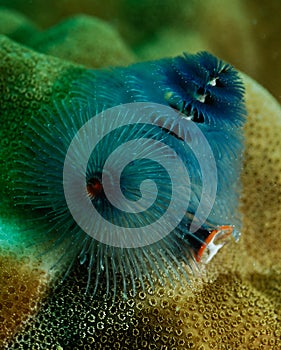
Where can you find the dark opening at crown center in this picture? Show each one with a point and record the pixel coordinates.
(94, 187)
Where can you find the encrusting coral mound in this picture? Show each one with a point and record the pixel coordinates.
(233, 304)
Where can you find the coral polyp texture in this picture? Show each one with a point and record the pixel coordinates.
(22, 286)
(167, 318)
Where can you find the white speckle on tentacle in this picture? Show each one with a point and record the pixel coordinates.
(213, 82)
